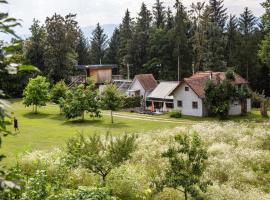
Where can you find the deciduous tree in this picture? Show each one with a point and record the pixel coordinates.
(111, 99)
(36, 93)
(187, 163)
(100, 156)
(62, 39)
(80, 100)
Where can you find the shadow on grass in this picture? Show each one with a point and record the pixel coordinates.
(32, 115)
(96, 123)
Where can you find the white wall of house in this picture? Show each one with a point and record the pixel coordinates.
(187, 97)
(235, 108)
(136, 85)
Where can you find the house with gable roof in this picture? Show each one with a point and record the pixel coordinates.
(189, 95)
(142, 85)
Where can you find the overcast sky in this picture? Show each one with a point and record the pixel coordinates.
(89, 12)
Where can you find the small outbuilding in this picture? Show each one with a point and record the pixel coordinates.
(100, 74)
(160, 99)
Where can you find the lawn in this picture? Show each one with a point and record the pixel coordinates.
(48, 129)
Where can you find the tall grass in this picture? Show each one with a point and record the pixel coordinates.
(238, 163)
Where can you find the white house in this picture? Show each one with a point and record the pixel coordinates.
(142, 85)
(189, 95)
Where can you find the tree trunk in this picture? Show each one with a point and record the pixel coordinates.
(83, 116)
(186, 197)
(244, 107)
(104, 180)
(112, 116)
(264, 108)
(36, 109)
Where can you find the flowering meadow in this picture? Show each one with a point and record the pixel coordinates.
(238, 166)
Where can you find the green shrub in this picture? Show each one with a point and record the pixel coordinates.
(129, 183)
(58, 91)
(176, 114)
(132, 102)
(85, 193)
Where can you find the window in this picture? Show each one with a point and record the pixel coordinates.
(195, 105)
(186, 89)
(179, 104)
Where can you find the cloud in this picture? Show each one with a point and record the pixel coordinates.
(90, 12)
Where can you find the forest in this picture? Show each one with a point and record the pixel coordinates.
(159, 40)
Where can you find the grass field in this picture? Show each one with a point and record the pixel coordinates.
(48, 129)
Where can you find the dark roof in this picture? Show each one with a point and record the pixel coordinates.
(102, 66)
(198, 81)
(147, 81)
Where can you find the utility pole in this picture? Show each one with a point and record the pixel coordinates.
(128, 71)
(178, 68)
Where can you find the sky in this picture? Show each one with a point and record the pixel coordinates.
(90, 12)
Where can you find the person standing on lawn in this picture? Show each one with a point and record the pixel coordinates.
(16, 126)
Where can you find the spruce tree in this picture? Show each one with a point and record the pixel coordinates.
(181, 38)
(159, 14)
(98, 45)
(140, 40)
(232, 35)
(126, 32)
(266, 15)
(83, 50)
(169, 19)
(214, 56)
(247, 22)
(112, 55)
(199, 34)
(218, 13)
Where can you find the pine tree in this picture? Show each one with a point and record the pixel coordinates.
(182, 45)
(140, 40)
(199, 36)
(247, 22)
(159, 14)
(232, 42)
(214, 56)
(83, 50)
(169, 19)
(144, 19)
(98, 45)
(266, 15)
(112, 55)
(126, 32)
(218, 13)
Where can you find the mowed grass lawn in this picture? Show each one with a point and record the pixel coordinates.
(47, 129)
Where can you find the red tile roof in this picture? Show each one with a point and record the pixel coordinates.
(198, 81)
(147, 81)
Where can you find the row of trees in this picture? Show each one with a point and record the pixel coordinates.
(74, 102)
(162, 41)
